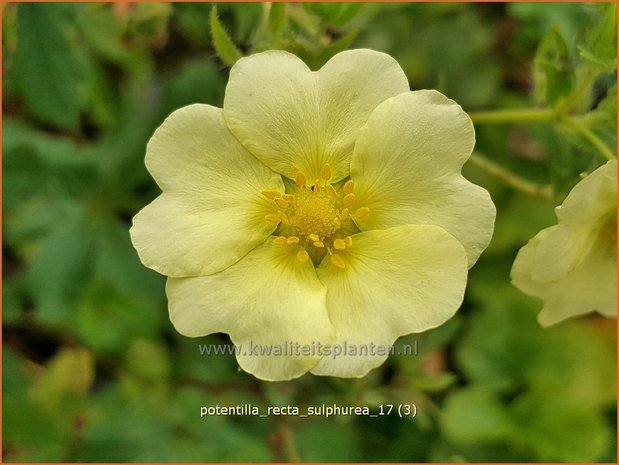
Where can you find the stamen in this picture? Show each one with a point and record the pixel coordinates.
(281, 203)
(302, 255)
(273, 218)
(314, 216)
(349, 199)
(362, 212)
(271, 194)
(300, 179)
(338, 261)
(283, 217)
(339, 244)
(326, 172)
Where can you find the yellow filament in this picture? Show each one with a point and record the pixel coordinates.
(281, 203)
(338, 261)
(271, 194)
(283, 217)
(273, 218)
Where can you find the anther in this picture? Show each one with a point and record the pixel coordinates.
(280, 240)
(292, 240)
(314, 237)
(338, 261)
(281, 203)
(337, 223)
(284, 219)
(349, 186)
(288, 197)
(271, 194)
(302, 256)
(344, 214)
(318, 244)
(348, 241)
(300, 179)
(362, 212)
(349, 199)
(326, 172)
(339, 244)
(273, 218)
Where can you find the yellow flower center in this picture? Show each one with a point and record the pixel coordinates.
(315, 217)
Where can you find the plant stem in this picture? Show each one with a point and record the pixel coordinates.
(513, 180)
(514, 116)
(590, 136)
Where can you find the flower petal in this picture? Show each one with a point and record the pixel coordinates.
(406, 168)
(267, 300)
(211, 212)
(401, 280)
(588, 286)
(287, 115)
(572, 265)
(592, 198)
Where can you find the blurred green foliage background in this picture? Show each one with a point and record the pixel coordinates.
(92, 368)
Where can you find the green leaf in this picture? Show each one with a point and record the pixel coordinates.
(553, 69)
(339, 45)
(601, 47)
(46, 69)
(70, 373)
(60, 268)
(148, 359)
(277, 19)
(149, 22)
(337, 444)
(225, 48)
(559, 428)
(103, 31)
(338, 14)
(474, 415)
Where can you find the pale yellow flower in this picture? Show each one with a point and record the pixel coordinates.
(357, 179)
(572, 266)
